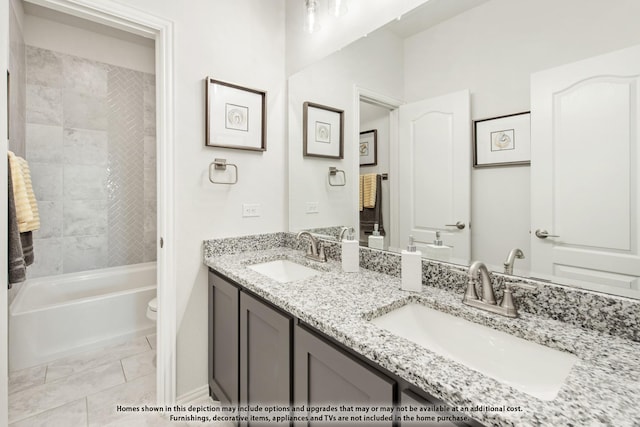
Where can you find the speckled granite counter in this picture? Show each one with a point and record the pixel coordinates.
(602, 388)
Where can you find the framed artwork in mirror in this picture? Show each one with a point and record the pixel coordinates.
(368, 148)
(502, 141)
(235, 116)
(322, 131)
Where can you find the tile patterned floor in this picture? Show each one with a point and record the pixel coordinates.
(83, 390)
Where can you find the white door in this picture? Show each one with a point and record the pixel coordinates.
(434, 155)
(584, 171)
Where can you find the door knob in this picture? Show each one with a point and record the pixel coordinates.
(543, 234)
(459, 225)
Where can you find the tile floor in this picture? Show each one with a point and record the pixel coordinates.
(84, 389)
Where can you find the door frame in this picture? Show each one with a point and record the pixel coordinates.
(375, 98)
(108, 12)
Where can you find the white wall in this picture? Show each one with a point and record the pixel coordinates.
(363, 17)
(492, 51)
(241, 42)
(377, 117)
(374, 63)
(4, 326)
(52, 35)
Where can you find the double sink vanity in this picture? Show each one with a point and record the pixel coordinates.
(288, 330)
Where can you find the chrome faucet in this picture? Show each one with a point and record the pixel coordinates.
(511, 258)
(315, 251)
(488, 301)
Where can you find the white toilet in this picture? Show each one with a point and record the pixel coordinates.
(152, 314)
(152, 309)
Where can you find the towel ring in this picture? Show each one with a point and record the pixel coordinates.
(333, 171)
(221, 164)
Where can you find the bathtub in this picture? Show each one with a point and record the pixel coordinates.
(55, 316)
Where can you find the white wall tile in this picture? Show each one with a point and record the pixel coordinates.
(85, 147)
(44, 143)
(44, 67)
(85, 217)
(50, 219)
(46, 179)
(44, 105)
(85, 182)
(84, 253)
(84, 76)
(47, 258)
(83, 111)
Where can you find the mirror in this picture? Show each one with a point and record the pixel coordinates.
(491, 48)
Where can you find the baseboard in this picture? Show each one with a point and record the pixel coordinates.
(193, 395)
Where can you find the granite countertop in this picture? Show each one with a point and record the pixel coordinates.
(602, 387)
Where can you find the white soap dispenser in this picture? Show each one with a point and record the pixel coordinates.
(376, 241)
(438, 251)
(411, 268)
(350, 253)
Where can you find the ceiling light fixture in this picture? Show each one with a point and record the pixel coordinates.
(311, 24)
(338, 7)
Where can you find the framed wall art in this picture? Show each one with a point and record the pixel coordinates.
(503, 141)
(322, 131)
(235, 116)
(368, 148)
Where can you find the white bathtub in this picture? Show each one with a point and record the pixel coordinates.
(55, 316)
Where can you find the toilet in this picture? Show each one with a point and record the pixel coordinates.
(152, 309)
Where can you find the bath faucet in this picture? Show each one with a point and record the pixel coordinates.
(315, 251)
(511, 258)
(488, 301)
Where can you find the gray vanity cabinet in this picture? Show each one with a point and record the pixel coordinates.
(224, 328)
(324, 375)
(265, 354)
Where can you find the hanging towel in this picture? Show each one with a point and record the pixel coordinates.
(26, 240)
(371, 216)
(21, 198)
(17, 267)
(369, 190)
(361, 193)
(34, 224)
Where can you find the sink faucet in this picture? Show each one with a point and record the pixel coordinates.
(488, 301)
(315, 251)
(511, 258)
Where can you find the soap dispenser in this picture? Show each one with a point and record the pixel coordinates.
(350, 252)
(376, 241)
(438, 251)
(411, 268)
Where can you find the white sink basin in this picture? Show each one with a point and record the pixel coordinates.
(526, 366)
(284, 271)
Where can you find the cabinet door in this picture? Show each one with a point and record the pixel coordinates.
(324, 375)
(223, 339)
(265, 356)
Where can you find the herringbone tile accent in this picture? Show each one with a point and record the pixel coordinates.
(125, 182)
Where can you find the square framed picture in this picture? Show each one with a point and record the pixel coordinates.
(368, 148)
(503, 141)
(322, 131)
(235, 116)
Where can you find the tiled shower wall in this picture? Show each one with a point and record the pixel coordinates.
(17, 94)
(90, 143)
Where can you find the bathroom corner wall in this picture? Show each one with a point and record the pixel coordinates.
(85, 142)
(17, 93)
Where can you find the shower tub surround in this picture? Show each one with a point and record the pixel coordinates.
(90, 141)
(600, 389)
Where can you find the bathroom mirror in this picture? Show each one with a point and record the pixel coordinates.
(490, 48)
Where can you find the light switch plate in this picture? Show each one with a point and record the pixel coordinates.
(313, 207)
(251, 210)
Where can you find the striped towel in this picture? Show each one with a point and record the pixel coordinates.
(34, 223)
(369, 190)
(24, 214)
